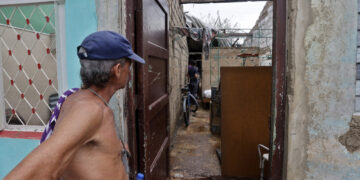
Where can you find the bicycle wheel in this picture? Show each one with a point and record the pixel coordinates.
(187, 115)
(193, 104)
(193, 107)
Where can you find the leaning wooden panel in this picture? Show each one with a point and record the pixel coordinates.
(245, 111)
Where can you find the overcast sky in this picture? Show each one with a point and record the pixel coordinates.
(244, 14)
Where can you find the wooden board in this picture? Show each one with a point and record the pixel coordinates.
(245, 112)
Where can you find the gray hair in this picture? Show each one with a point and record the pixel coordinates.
(97, 72)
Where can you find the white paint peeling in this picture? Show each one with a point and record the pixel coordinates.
(322, 56)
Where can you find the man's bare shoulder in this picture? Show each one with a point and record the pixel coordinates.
(87, 104)
(90, 102)
(82, 110)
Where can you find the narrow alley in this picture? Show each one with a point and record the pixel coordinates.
(193, 153)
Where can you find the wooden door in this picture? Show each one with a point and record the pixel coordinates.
(245, 112)
(152, 85)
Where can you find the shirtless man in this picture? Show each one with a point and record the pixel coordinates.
(84, 144)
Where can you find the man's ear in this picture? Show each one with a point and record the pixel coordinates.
(116, 69)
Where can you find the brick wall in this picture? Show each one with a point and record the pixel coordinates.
(178, 62)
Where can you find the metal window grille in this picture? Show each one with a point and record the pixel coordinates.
(28, 60)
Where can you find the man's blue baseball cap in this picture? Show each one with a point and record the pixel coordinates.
(106, 45)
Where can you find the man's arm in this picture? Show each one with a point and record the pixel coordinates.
(49, 159)
(197, 75)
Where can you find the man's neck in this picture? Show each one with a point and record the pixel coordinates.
(106, 92)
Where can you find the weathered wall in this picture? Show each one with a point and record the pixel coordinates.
(111, 17)
(357, 92)
(321, 89)
(178, 62)
(262, 35)
(226, 57)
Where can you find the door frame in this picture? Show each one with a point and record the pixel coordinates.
(279, 91)
(131, 99)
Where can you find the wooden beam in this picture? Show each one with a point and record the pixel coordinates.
(215, 1)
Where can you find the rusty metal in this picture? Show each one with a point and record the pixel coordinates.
(215, 1)
(130, 99)
(278, 119)
(152, 88)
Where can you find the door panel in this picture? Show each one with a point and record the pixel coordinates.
(155, 22)
(245, 112)
(157, 80)
(153, 101)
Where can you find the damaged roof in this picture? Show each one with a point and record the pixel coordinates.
(194, 22)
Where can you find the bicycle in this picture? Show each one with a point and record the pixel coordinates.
(189, 103)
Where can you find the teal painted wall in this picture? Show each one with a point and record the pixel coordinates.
(81, 20)
(12, 151)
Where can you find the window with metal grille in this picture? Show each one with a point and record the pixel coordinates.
(28, 63)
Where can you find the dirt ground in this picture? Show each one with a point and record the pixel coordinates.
(193, 154)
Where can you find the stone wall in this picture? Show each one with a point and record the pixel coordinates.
(178, 62)
(321, 61)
